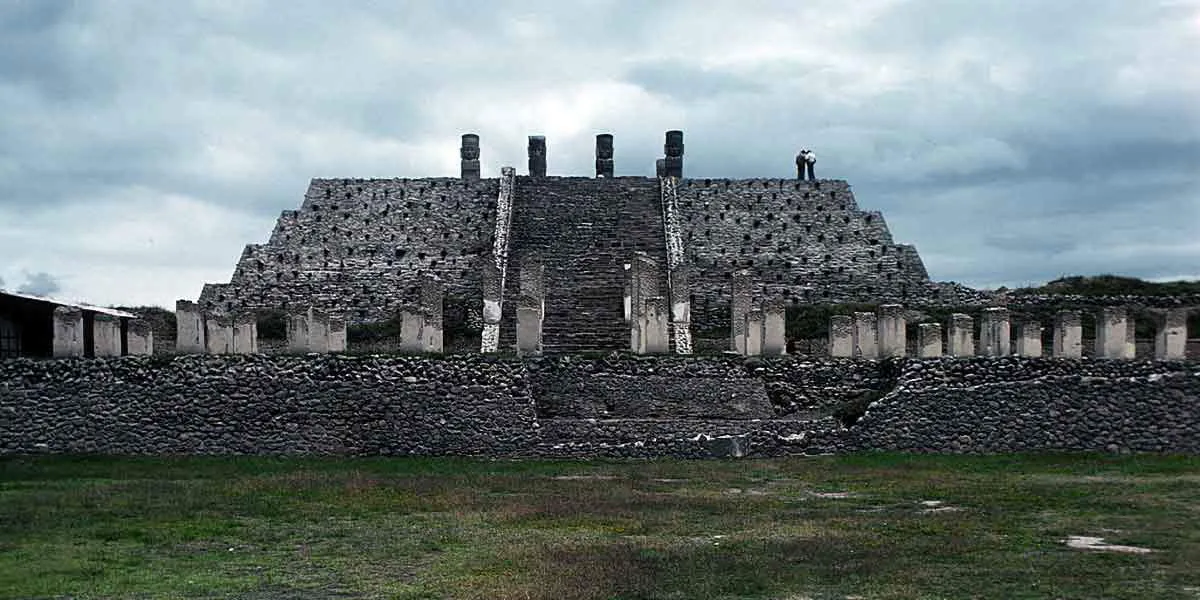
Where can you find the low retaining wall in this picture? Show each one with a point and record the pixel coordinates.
(624, 406)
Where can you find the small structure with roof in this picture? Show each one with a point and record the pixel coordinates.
(41, 327)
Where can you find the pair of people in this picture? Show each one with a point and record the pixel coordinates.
(806, 161)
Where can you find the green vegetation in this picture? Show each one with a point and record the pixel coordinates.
(869, 526)
(1112, 285)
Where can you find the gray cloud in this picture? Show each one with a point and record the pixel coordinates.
(41, 284)
(143, 143)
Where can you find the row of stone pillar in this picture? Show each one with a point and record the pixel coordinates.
(111, 335)
(755, 329)
(884, 334)
(203, 332)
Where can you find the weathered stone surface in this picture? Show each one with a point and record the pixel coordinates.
(754, 332)
(1111, 330)
(774, 328)
(866, 335)
(960, 336)
(1029, 340)
(189, 328)
(929, 340)
(1170, 338)
(893, 331)
(619, 406)
(1068, 334)
(841, 336)
(68, 332)
(743, 300)
(995, 337)
(140, 338)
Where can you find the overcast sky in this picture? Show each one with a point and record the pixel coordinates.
(144, 143)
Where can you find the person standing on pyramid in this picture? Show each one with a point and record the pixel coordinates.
(810, 161)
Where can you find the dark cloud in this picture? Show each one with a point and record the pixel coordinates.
(40, 284)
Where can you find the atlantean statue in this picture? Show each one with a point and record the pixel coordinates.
(604, 155)
(674, 154)
(469, 153)
(537, 156)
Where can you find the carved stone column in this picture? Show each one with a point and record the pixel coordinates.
(469, 153)
(604, 155)
(537, 156)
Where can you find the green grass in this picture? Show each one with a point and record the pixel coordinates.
(456, 528)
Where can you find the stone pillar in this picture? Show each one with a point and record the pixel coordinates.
(433, 294)
(866, 332)
(537, 156)
(960, 338)
(754, 332)
(532, 280)
(412, 326)
(995, 336)
(1170, 336)
(929, 340)
(1029, 339)
(245, 334)
(628, 292)
(469, 154)
(660, 168)
(893, 331)
(298, 332)
(529, 325)
(337, 335)
(841, 336)
(774, 328)
(742, 297)
(106, 335)
(644, 284)
(318, 331)
(140, 339)
(492, 282)
(189, 328)
(681, 309)
(604, 155)
(218, 334)
(68, 332)
(655, 335)
(1068, 334)
(1130, 338)
(1111, 329)
(673, 162)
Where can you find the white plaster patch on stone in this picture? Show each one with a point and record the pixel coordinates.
(929, 340)
(893, 337)
(841, 336)
(792, 437)
(140, 338)
(1029, 340)
(1081, 542)
(833, 495)
(1170, 338)
(960, 337)
(1111, 331)
(189, 328)
(1068, 334)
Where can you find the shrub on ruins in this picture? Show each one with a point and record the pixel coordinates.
(1111, 285)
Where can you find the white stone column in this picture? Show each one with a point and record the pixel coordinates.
(68, 332)
(218, 334)
(298, 332)
(655, 330)
(866, 335)
(774, 329)
(995, 337)
(754, 332)
(1111, 330)
(960, 338)
(893, 333)
(106, 335)
(742, 296)
(1029, 339)
(929, 340)
(245, 334)
(189, 328)
(1068, 334)
(1170, 337)
(140, 338)
(529, 325)
(841, 336)
(337, 335)
(412, 326)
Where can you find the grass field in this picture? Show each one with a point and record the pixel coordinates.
(878, 526)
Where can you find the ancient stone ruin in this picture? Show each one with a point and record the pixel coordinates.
(358, 250)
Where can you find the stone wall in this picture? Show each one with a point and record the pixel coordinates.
(806, 242)
(612, 406)
(1037, 404)
(356, 247)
